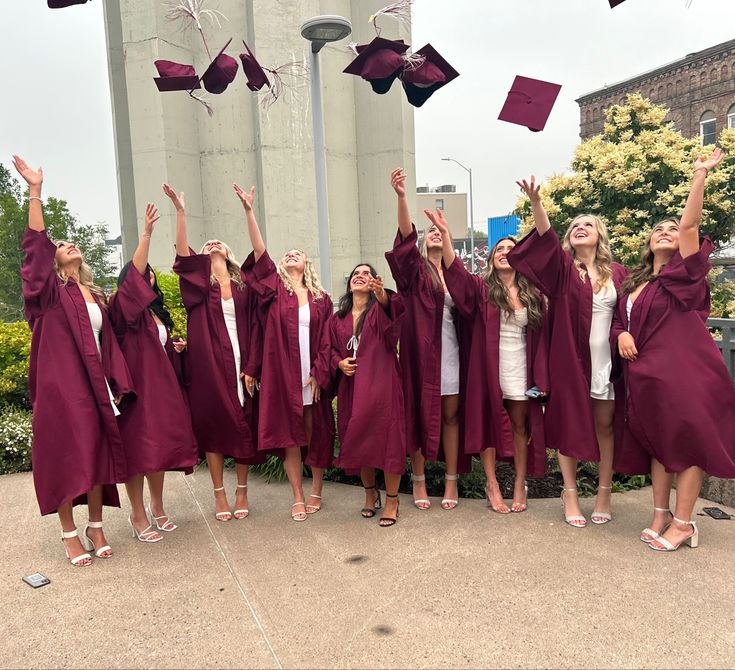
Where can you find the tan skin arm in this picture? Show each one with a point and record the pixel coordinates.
(140, 257)
(34, 179)
(247, 199)
(440, 222)
(540, 217)
(398, 182)
(182, 242)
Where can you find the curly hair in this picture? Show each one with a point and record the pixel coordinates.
(643, 272)
(311, 278)
(603, 254)
(86, 278)
(233, 267)
(497, 292)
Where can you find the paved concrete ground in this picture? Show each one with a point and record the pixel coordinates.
(461, 589)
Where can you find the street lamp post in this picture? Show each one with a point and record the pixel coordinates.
(319, 31)
(472, 214)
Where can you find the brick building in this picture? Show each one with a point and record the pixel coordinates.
(699, 89)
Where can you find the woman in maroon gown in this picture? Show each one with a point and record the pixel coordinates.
(77, 379)
(224, 345)
(506, 314)
(432, 351)
(361, 359)
(295, 413)
(582, 284)
(156, 430)
(680, 404)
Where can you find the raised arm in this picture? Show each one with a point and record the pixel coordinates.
(35, 182)
(398, 182)
(440, 222)
(182, 242)
(256, 239)
(140, 257)
(692, 216)
(540, 217)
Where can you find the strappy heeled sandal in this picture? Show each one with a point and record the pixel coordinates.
(665, 545)
(90, 546)
(222, 516)
(313, 509)
(241, 513)
(576, 520)
(149, 535)
(421, 503)
(600, 518)
(81, 561)
(388, 521)
(648, 535)
(298, 516)
(520, 507)
(450, 503)
(368, 512)
(497, 510)
(168, 525)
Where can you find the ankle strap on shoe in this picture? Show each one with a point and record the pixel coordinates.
(388, 495)
(94, 524)
(221, 488)
(67, 535)
(418, 478)
(240, 486)
(369, 488)
(685, 523)
(605, 488)
(451, 478)
(662, 509)
(574, 489)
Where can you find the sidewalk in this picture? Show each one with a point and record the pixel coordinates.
(461, 589)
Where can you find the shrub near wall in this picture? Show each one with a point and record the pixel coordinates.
(16, 436)
(15, 346)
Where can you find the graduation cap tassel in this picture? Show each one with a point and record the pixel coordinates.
(190, 13)
(352, 46)
(296, 69)
(401, 11)
(414, 60)
(201, 100)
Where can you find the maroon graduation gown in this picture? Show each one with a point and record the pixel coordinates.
(487, 422)
(370, 407)
(680, 405)
(420, 350)
(76, 439)
(221, 425)
(569, 422)
(281, 419)
(156, 429)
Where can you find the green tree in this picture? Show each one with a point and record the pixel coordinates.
(61, 224)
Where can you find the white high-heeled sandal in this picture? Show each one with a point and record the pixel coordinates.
(167, 527)
(298, 516)
(420, 503)
(77, 561)
(522, 507)
(692, 540)
(313, 509)
(450, 503)
(241, 513)
(222, 516)
(581, 522)
(600, 518)
(90, 546)
(149, 536)
(651, 534)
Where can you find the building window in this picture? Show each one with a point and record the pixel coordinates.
(693, 81)
(439, 203)
(679, 87)
(669, 90)
(588, 116)
(713, 76)
(651, 95)
(708, 128)
(595, 114)
(731, 117)
(660, 92)
(703, 79)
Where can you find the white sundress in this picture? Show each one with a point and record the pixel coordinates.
(228, 310)
(603, 306)
(95, 319)
(304, 349)
(513, 375)
(450, 351)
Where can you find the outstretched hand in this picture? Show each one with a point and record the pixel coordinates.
(532, 189)
(31, 178)
(398, 182)
(376, 286)
(438, 220)
(177, 200)
(246, 198)
(151, 216)
(709, 162)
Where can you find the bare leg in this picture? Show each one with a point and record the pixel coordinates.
(97, 535)
(604, 411)
(568, 467)
(688, 486)
(390, 514)
(314, 503)
(241, 492)
(492, 488)
(155, 488)
(661, 485)
(371, 492)
(518, 413)
(216, 465)
(138, 516)
(294, 471)
(73, 545)
(450, 442)
(420, 497)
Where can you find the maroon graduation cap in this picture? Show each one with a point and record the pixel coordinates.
(175, 76)
(615, 3)
(257, 78)
(529, 102)
(221, 72)
(379, 62)
(60, 4)
(421, 81)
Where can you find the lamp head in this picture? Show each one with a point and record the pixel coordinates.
(320, 30)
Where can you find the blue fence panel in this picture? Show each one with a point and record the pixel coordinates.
(502, 226)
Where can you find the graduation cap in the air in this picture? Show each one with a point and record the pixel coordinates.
(529, 102)
(257, 78)
(221, 72)
(60, 4)
(615, 3)
(379, 62)
(175, 76)
(421, 80)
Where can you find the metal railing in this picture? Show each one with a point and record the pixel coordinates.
(726, 342)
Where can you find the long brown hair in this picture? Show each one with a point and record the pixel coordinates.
(497, 292)
(430, 267)
(643, 272)
(603, 254)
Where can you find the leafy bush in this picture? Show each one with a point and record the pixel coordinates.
(15, 440)
(15, 345)
(169, 285)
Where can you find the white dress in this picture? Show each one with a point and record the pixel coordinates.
(513, 377)
(95, 319)
(450, 351)
(162, 334)
(228, 309)
(603, 306)
(304, 349)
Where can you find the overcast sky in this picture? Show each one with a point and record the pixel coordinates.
(580, 44)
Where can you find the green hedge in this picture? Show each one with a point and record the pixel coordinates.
(15, 440)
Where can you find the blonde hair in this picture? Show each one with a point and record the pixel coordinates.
(311, 278)
(603, 254)
(86, 278)
(233, 267)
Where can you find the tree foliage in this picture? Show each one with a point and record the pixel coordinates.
(637, 172)
(61, 225)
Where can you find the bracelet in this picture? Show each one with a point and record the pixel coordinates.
(702, 168)
(35, 197)
(146, 237)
